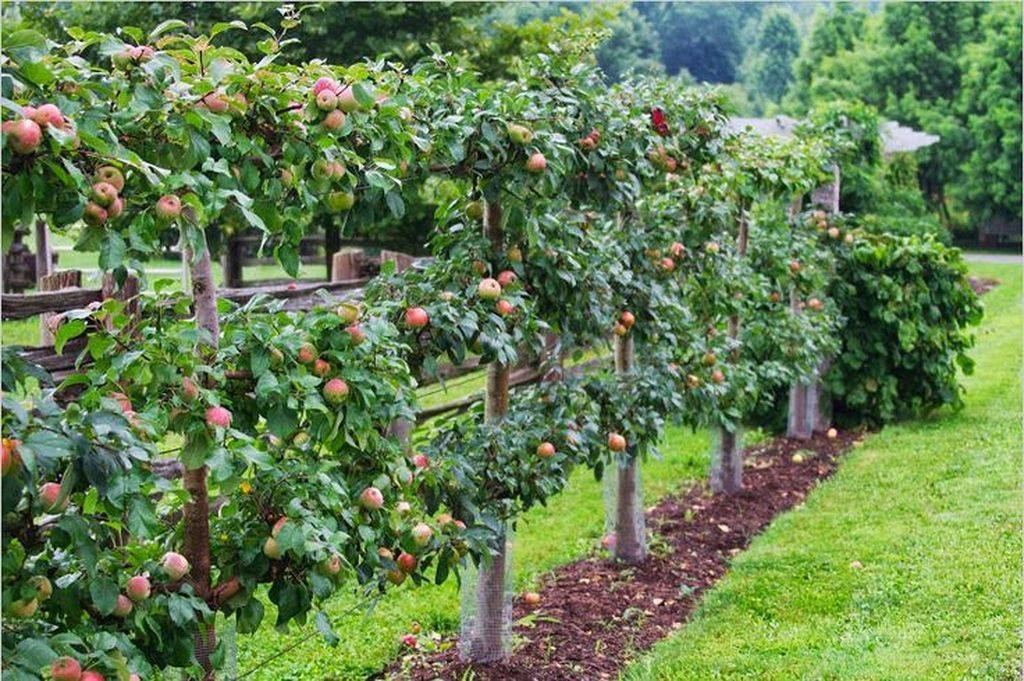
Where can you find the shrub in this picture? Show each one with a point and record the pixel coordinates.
(908, 308)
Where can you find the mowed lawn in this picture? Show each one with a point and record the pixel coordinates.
(905, 565)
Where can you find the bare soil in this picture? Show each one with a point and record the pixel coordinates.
(595, 615)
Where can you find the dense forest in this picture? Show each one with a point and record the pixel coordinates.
(951, 69)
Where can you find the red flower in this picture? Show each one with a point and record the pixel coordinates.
(658, 121)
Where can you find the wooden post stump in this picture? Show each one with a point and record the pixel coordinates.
(48, 323)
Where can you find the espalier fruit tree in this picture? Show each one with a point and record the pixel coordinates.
(117, 555)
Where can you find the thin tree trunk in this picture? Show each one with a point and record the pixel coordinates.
(629, 545)
(727, 468)
(799, 425)
(197, 511)
(488, 636)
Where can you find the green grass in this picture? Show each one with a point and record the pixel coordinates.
(930, 509)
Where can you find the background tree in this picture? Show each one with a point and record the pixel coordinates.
(705, 39)
(989, 101)
(770, 70)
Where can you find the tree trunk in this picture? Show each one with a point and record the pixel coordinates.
(197, 511)
(332, 244)
(490, 624)
(629, 545)
(727, 468)
(489, 642)
(799, 424)
(727, 465)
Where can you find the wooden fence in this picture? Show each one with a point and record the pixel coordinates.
(348, 278)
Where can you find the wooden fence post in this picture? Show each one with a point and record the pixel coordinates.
(402, 260)
(233, 262)
(489, 629)
(57, 281)
(345, 265)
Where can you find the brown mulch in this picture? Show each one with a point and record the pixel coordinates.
(982, 285)
(595, 615)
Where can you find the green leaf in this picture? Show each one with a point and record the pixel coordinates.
(67, 331)
(323, 625)
(112, 251)
(180, 609)
(24, 38)
(104, 593)
(166, 26)
(34, 653)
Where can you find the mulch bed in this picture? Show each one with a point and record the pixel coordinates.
(594, 615)
(982, 285)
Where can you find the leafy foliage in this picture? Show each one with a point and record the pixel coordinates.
(908, 310)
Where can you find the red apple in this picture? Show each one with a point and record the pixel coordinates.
(307, 354)
(10, 458)
(111, 176)
(420, 461)
(168, 208)
(321, 368)
(627, 319)
(104, 194)
(620, 330)
(488, 289)
(23, 608)
(531, 598)
(92, 675)
(545, 450)
(94, 215)
(536, 163)
(24, 136)
(794, 266)
(327, 100)
(116, 208)
(174, 566)
(189, 389)
(396, 577)
(371, 499)
(334, 120)
(416, 318)
(347, 101)
(506, 278)
(49, 494)
(325, 83)
(409, 640)
(717, 376)
(616, 442)
(138, 588)
(65, 669)
(335, 391)
(504, 307)
(356, 334)
(421, 534)
(406, 562)
(218, 417)
(123, 607)
(43, 587)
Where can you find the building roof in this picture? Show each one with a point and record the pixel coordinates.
(895, 137)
